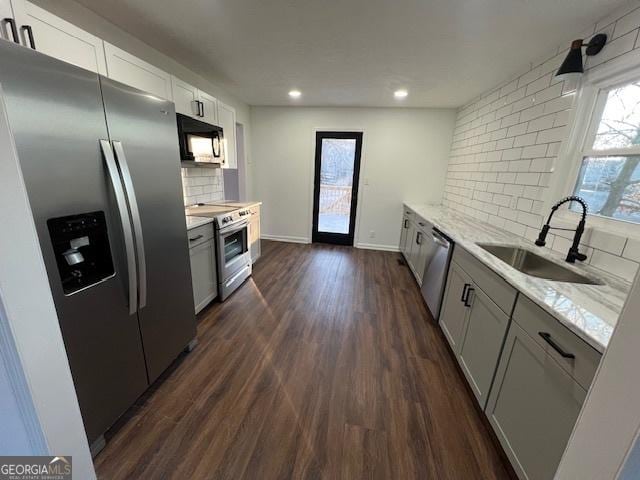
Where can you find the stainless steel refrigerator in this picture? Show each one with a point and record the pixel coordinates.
(100, 162)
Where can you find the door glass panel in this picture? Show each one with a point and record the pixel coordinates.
(336, 184)
(234, 246)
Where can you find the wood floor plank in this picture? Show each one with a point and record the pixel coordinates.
(326, 364)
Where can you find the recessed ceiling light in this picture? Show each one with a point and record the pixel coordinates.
(295, 93)
(400, 93)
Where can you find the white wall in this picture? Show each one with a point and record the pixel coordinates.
(508, 144)
(404, 158)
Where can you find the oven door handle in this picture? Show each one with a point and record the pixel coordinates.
(233, 228)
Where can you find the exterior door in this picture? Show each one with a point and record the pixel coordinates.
(337, 172)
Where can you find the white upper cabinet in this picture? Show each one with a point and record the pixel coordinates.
(126, 68)
(209, 108)
(194, 102)
(185, 96)
(227, 120)
(6, 20)
(58, 38)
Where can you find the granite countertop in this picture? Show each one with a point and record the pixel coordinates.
(194, 222)
(590, 311)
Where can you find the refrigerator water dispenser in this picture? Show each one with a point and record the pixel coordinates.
(82, 251)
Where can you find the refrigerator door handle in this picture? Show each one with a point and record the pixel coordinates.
(121, 200)
(137, 224)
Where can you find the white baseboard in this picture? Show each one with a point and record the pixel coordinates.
(285, 238)
(375, 246)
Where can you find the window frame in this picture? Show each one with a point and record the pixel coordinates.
(591, 95)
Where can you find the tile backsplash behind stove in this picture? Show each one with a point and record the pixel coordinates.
(202, 185)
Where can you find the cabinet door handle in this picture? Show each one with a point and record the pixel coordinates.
(547, 338)
(406, 221)
(466, 300)
(419, 238)
(197, 237)
(464, 292)
(14, 31)
(29, 31)
(200, 108)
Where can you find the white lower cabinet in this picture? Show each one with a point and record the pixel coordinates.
(540, 385)
(60, 39)
(453, 315)
(131, 70)
(486, 327)
(202, 253)
(533, 407)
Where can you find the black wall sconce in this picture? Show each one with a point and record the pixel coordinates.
(573, 62)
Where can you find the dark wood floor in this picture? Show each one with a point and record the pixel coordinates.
(325, 364)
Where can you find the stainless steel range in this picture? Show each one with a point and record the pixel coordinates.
(233, 258)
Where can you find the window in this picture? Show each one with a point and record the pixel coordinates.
(609, 176)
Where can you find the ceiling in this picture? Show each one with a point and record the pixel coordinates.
(354, 52)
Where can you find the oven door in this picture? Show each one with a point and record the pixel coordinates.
(233, 249)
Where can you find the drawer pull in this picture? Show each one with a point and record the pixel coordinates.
(547, 338)
(464, 292)
(197, 237)
(466, 300)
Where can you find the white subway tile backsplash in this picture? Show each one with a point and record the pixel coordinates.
(538, 85)
(552, 135)
(525, 140)
(542, 123)
(614, 49)
(202, 185)
(534, 151)
(627, 23)
(507, 142)
(606, 241)
(632, 250)
(612, 263)
(528, 178)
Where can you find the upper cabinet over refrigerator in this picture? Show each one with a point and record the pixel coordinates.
(35, 28)
(128, 69)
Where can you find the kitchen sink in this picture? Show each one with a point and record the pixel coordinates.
(529, 263)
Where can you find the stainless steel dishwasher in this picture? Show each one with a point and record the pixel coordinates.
(438, 256)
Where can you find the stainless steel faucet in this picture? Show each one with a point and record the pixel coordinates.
(574, 253)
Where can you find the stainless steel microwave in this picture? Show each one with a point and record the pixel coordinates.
(200, 143)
